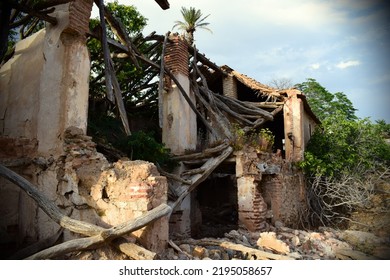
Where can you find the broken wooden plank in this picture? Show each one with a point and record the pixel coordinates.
(271, 105)
(193, 171)
(119, 101)
(106, 52)
(132, 250)
(232, 113)
(269, 241)
(177, 248)
(220, 125)
(48, 206)
(254, 253)
(277, 110)
(68, 247)
(173, 176)
(38, 246)
(245, 108)
(209, 167)
(161, 83)
(99, 235)
(206, 153)
(120, 31)
(105, 235)
(34, 12)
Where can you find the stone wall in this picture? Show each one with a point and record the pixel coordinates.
(285, 197)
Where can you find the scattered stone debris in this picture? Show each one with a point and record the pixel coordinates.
(282, 243)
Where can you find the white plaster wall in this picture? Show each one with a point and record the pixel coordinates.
(293, 125)
(20, 87)
(44, 87)
(179, 121)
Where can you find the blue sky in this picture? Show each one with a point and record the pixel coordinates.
(343, 44)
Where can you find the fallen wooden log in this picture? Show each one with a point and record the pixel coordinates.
(48, 206)
(132, 250)
(205, 154)
(38, 246)
(99, 234)
(244, 108)
(106, 235)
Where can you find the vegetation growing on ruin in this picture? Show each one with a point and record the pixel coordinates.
(261, 139)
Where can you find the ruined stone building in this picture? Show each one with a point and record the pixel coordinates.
(43, 120)
(260, 185)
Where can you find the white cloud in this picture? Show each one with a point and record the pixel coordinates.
(315, 66)
(346, 64)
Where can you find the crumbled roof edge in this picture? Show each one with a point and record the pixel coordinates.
(251, 83)
(267, 90)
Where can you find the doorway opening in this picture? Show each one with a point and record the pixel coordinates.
(216, 200)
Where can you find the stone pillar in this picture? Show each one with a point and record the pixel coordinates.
(179, 120)
(293, 112)
(229, 85)
(252, 208)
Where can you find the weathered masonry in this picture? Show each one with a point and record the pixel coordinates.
(230, 174)
(253, 186)
(43, 121)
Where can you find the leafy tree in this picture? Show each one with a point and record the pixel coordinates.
(139, 92)
(127, 72)
(192, 20)
(325, 104)
(344, 157)
(346, 147)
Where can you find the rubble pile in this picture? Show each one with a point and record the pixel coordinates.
(283, 243)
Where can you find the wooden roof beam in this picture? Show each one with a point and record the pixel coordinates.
(164, 4)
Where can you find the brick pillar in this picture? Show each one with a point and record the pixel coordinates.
(252, 208)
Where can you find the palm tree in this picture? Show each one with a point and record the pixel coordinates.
(192, 20)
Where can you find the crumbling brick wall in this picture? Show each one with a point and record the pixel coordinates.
(269, 190)
(252, 209)
(283, 188)
(117, 192)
